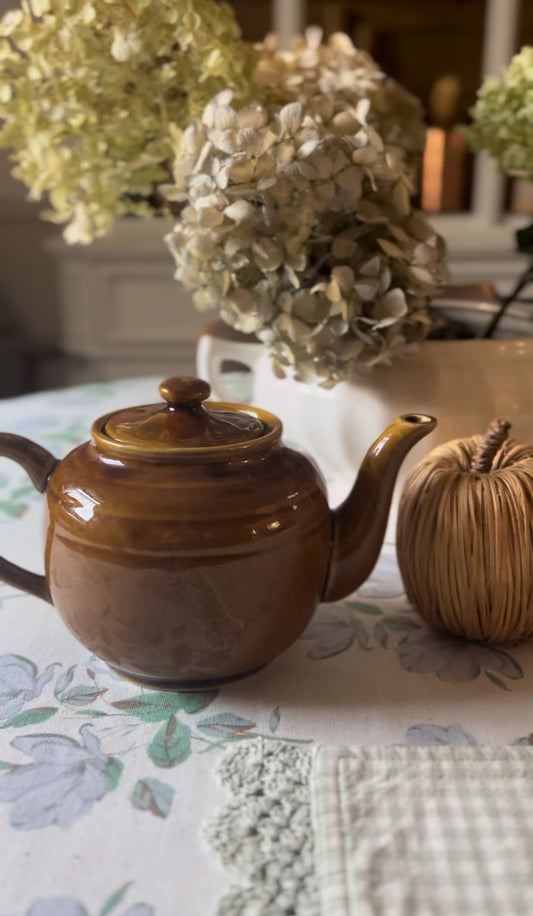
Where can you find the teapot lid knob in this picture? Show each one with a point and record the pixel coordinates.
(184, 392)
(183, 423)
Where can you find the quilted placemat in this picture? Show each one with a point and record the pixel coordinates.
(401, 831)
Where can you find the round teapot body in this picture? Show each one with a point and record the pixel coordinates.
(182, 575)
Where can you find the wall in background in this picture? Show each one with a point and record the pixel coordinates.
(29, 303)
(28, 281)
(28, 277)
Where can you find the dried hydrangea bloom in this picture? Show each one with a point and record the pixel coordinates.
(503, 114)
(88, 88)
(303, 233)
(329, 77)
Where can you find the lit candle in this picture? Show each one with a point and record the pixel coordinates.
(432, 173)
(289, 20)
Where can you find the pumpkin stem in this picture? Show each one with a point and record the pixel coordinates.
(490, 445)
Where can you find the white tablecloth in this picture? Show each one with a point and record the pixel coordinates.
(104, 786)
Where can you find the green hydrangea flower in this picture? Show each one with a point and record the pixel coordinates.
(503, 117)
(88, 89)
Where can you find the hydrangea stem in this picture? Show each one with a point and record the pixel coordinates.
(525, 278)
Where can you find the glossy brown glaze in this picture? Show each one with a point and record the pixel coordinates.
(39, 464)
(182, 423)
(359, 523)
(187, 546)
(187, 573)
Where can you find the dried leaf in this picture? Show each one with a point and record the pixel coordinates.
(291, 117)
(240, 210)
(345, 278)
(343, 248)
(391, 249)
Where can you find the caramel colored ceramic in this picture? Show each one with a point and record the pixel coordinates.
(188, 547)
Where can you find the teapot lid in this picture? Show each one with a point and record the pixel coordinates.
(182, 425)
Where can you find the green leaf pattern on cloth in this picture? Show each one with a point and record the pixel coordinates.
(68, 906)
(67, 776)
(225, 725)
(335, 628)
(154, 796)
(30, 717)
(62, 777)
(171, 744)
(79, 742)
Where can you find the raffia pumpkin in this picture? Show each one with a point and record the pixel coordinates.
(465, 537)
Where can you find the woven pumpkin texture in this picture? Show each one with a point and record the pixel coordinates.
(465, 539)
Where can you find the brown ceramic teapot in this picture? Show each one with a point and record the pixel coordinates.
(187, 546)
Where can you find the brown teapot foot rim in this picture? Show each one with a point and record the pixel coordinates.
(171, 684)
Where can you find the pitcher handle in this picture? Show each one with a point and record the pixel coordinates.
(213, 350)
(39, 464)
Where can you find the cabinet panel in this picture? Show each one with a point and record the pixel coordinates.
(148, 309)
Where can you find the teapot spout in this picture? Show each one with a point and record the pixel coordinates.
(359, 524)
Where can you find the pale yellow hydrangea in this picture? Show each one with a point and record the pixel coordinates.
(88, 89)
(299, 225)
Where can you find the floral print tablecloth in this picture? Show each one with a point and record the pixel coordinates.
(104, 786)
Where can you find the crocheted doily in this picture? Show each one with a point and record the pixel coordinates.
(264, 833)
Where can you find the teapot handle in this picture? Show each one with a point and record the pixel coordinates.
(39, 464)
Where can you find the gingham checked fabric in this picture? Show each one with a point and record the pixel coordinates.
(376, 831)
(417, 831)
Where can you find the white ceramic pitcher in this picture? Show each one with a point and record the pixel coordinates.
(464, 383)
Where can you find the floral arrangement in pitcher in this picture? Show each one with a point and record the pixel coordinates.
(88, 89)
(295, 170)
(299, 224)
